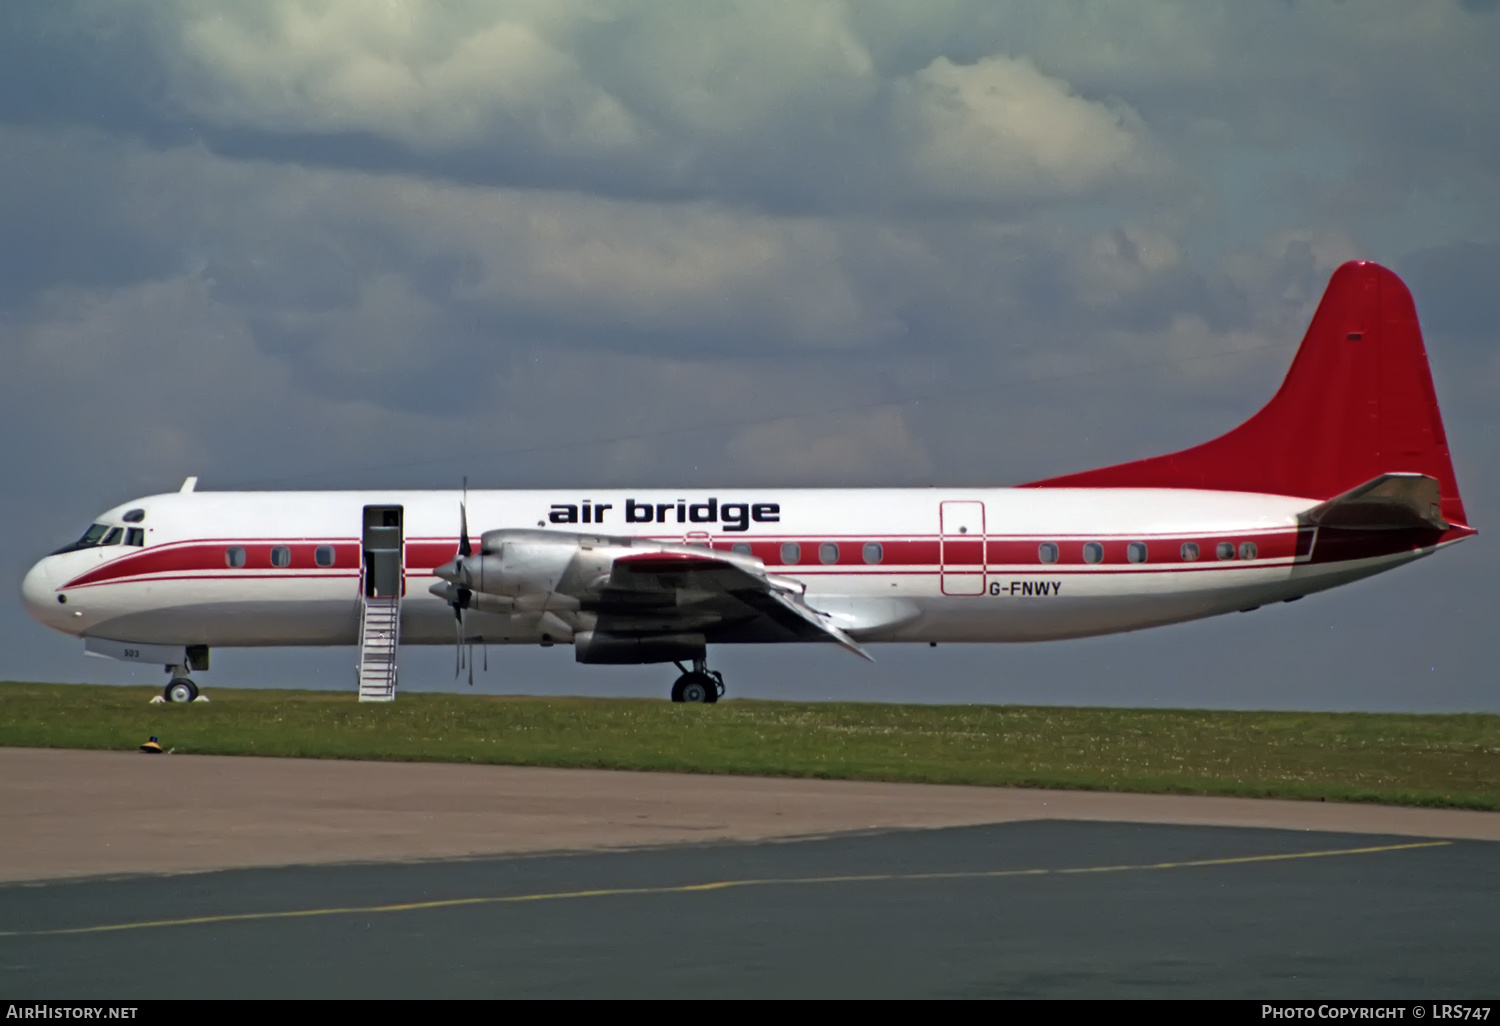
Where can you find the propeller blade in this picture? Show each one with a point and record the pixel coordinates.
(458, 640)
(462, 596)
(464, 548)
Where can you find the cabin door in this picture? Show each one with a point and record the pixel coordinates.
(384, 575)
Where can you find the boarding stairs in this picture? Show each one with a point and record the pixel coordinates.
(379, 634)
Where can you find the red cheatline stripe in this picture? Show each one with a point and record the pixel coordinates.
(923, 555)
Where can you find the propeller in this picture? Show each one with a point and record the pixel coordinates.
(462, 596)
(455, 588)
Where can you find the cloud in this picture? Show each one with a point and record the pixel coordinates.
(138, 386)
(736, 71)
(1121, 261)
(427, 76)
(156, 380)
(780, 104)
(866, 447)
(1000, 129)
(1283, 275)
(817, 107)
(437, 263)
(1456, 288)
(665, 270)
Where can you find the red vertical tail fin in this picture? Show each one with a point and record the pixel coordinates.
(1357, 402)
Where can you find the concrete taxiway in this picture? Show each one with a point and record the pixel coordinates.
(1037, 909)
(174, 876)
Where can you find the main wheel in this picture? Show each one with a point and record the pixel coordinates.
(180, 689)
(695, 687)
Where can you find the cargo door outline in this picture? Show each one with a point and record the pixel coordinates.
(961, 552)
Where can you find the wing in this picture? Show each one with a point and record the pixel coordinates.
(1388, 502)
(674, 591)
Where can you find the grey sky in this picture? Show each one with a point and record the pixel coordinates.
(344, 244)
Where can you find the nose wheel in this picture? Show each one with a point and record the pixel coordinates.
(700, 684)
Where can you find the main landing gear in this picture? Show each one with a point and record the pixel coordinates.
(700, 684)
(181, 687)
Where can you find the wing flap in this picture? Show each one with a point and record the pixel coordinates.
(780, 600)
(822, 623)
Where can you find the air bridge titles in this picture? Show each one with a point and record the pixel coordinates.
(735, 516)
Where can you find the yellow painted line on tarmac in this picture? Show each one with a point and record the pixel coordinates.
(716, 885)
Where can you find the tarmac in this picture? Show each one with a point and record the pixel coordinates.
(196, 876)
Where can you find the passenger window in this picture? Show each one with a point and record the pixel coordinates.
(791, 552)
(1136, 552)
(234, 556)
(1189, 552)
(740, 548)
(1225, 550)
(281, 556)
(828, 552)
(135, 536)
(1247, 550)
(1047, 552)
(323, 555)
(134, 516)
(874, 552)
(1093, 552)
(113, 537)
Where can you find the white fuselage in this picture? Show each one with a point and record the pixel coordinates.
(917, 565)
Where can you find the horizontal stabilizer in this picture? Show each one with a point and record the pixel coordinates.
(1388, 502)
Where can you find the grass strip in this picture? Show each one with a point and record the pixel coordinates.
(1432, 760)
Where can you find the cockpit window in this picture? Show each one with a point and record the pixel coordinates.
(90, 538)
(134, 516)
(135, 536)
(114, 536)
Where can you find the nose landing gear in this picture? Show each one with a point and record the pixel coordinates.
(700, 684)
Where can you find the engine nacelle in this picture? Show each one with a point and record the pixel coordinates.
(618, 649)
(526, 566)
(520, 563)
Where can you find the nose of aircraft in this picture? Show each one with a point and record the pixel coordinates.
(39, 593)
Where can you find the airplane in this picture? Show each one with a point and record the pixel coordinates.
(1345, 473)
